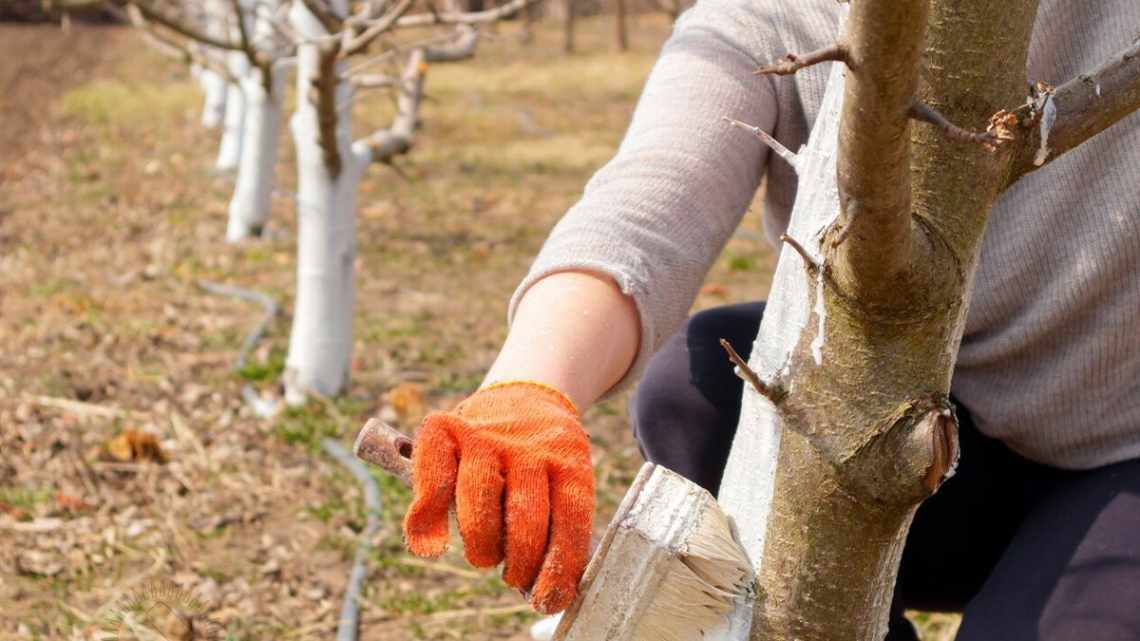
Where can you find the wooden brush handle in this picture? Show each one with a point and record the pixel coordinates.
(385, 446)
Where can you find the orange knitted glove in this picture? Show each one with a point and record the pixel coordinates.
(517, 448)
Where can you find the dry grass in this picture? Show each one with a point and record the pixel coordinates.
(108, 215)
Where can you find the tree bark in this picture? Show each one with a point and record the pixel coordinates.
(568, 25)
(861, 330)
(320, 344)
(329, 169)
(252, 199)
(263, 91)
(229, 150)
(214, 105)
(621, 25)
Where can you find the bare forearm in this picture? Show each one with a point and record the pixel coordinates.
(574, 331)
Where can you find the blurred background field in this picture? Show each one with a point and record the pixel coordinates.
(109, 214)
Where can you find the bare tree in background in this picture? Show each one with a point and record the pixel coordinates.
(330, 162)
(846, 424)
(241, 56)
(252, 48)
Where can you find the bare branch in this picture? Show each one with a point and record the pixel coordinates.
(386, 144)
(1080, 109)
(372, 81)
(461, 48)
(767, 139)
(467, 17)
(174, 47)
(885, 42)
(325, 15)
(809, 262)
(925, 113)
(773, 393)
(792, 63)
(850, 213)
(149, 11)
(243, 33)
(360, 43)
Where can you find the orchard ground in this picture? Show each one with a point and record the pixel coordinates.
(109, 217)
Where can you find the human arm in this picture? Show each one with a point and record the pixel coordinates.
(616, 277)
(574, 331)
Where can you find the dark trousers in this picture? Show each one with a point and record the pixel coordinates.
(1024, 550)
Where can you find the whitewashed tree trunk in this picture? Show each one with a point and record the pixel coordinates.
(320, 346)
(229, 151)
(212, 83)
(214, 105)
(329, 168)
(252, 200)
(748, 485)
(253, 193)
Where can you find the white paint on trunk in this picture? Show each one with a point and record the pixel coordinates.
(213, 84)
(1048, 117)
(229, 152)
(748, 485)
(320, 345)
(253, 193)
(252, 199)
(214, 106)
(821, 320)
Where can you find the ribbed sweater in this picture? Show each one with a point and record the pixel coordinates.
(1050, 359)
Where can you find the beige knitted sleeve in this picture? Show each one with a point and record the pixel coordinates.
(655, 217)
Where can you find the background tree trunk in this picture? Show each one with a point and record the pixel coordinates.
(320, 344)
(263, 90)
(568, 25)
(214, 104)
(621, 25)
(229, 150)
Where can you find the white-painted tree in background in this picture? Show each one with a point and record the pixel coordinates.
(250, 43)
(330, 163)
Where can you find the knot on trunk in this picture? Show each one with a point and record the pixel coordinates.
(907, 460)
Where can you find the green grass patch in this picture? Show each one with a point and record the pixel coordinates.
(24, 498)
(268, 371)
(111, 102)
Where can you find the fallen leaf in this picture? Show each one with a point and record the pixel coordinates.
(72, 503)
(12, 511)
(407, 399)
(133, 445)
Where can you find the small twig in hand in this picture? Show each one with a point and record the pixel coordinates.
(792, 63)
(773, 393)
(926, 113)
(809, 262)
(781, 151)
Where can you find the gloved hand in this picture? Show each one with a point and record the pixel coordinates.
(518, 448)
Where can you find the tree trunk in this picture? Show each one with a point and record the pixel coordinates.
(229, 151)
(252, 200)
(621, 25)
(263, 90)
(328, 174)
(849, 426)
(212, 83)
(214, 104)
(568, 25)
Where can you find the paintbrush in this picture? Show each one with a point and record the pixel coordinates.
(668, 568)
